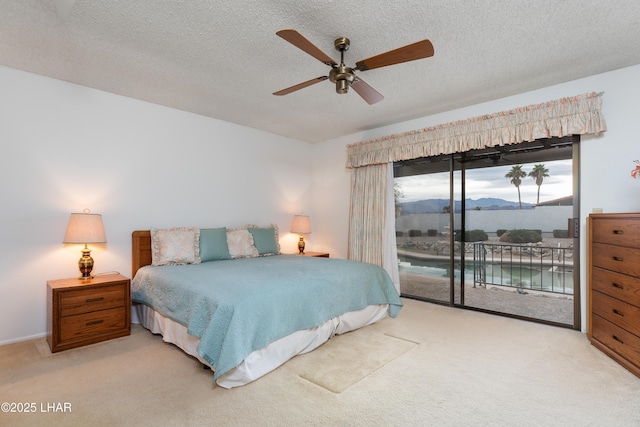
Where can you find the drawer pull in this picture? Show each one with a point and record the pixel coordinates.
(95, 322)
(618, 231)
(617, 339)
(618, 258)
(619, 313)
(95, 299)
(617, 285)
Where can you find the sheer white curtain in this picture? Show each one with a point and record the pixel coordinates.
(389, 247)
(372, 230)
(367, 213)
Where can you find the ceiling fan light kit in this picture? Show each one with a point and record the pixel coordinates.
(345, 77)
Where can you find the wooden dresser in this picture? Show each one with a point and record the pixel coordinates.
(82, 312)
(614, 286)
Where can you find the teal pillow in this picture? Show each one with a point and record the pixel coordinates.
(265, 240)
(213, 244)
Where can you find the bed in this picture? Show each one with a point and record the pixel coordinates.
(246, 316)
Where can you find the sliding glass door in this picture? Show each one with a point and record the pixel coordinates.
(424, 253)
(490, 230)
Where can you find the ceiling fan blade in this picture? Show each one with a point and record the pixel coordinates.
(418, 50)
(300, 86)
(298, 40)
(367, 93)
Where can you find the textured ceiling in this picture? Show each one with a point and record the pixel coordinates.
(221, 58)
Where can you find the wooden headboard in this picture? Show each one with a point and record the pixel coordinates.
(140, 250)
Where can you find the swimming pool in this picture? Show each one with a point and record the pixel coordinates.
(539, 278)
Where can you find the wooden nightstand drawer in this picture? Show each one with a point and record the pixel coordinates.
(86, 301)
(83, 312)
(95, 323)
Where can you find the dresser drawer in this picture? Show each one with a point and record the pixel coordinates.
(92, 324)
(616, 231)
(616, 258)
(617, 339)
(618, 312)
(89, 300)
(617, 285)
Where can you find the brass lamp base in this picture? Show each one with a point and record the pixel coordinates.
(301, 245)
(86, 264)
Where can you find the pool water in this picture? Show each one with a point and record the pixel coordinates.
(540, 279)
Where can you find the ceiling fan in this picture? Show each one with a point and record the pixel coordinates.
(345, 77)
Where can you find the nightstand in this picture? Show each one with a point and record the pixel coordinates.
(316, 254)
(83, 312)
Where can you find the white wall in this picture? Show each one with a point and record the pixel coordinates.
(66, 147)
(606, 160)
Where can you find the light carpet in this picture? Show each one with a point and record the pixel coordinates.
(469, 369)
(347, 359)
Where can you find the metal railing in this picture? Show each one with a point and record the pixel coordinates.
(524, 267)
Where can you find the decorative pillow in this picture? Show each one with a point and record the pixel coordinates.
(240, 243)
(174, 246)
(213, 244)
(265, 239)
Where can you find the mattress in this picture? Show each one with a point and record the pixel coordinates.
(264, 360)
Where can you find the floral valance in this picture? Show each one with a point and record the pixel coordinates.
(579, 115)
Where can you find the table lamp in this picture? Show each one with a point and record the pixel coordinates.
(85, 228)
(301, 225)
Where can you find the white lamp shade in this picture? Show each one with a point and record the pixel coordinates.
(85, 228)
(301, 224)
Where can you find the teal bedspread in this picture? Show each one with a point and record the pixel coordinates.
(238, 306)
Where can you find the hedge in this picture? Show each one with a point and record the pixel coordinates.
(471, 236)
(522, 236)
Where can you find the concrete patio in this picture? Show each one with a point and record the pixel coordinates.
(538, 305)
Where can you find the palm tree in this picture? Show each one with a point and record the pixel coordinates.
(539, 173)
(515, 175)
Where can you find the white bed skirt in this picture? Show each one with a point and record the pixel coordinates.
(265, 360)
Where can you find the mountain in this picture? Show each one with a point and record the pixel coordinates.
(439, 205)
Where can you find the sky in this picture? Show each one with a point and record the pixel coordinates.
(490, 182)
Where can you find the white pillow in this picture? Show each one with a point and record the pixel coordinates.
(175, 246)
(240, 243)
